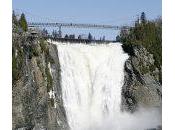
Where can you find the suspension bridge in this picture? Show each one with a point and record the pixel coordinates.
(37, 23)
(72, 25)
(75, 25)
(48, 23)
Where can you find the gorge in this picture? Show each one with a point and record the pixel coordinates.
(74, 86)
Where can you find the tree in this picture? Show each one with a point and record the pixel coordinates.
(90, 37)
(66, 36)
(72, 36)
(55, 34)
(60, 32)
(143, 18)
(23, 22)
(79, 36)
(148, 34)
(117, 38)
(123, 34)
(44, 33)
(103, 39)
(14, 19)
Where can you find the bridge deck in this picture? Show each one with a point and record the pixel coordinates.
(74, 25)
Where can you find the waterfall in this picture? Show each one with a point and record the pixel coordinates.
(92, 77)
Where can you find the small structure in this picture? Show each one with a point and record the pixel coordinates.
(33, 32)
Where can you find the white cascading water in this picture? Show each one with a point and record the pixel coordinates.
(92, 77)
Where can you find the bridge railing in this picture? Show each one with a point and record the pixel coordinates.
(74, 25)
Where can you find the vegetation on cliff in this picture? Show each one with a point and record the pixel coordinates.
(148, 34)
(21, 23)
(17, 62)
(24, 48)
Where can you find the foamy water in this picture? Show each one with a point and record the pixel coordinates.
(92, 77)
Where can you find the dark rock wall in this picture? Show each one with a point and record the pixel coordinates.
(141, 82)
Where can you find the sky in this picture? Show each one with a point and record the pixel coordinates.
(110, 12)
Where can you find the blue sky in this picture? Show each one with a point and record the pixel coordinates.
(112, 12)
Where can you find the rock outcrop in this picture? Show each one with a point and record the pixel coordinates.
(37, 102)
(141, 82)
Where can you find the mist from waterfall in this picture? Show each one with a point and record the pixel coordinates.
(92, 77)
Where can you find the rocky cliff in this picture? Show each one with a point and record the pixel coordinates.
(142, 85)
(37, 102)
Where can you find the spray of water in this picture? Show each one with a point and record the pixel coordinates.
(92, 77)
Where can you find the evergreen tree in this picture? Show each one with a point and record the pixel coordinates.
(66, 36)
(14, 19)
(23, 22)
(90, 37)
(143, 18)
(79, 36)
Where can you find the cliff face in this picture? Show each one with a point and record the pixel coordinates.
(37, 102)
(141, 82)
